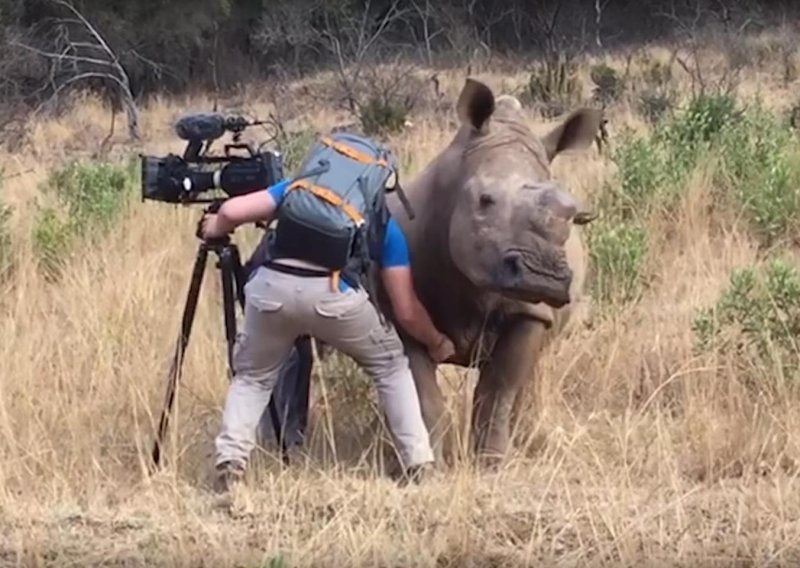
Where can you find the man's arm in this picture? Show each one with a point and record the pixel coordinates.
(248, 208)
(408, 310)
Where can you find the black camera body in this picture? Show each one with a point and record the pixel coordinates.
(182, 179)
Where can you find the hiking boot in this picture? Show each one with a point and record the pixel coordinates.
(227, 475)
(416, 474)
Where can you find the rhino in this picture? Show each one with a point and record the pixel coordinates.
(495, 258)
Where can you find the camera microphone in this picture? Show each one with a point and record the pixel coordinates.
(200, 126)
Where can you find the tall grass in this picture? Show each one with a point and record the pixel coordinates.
(5, 235)
(664, 432)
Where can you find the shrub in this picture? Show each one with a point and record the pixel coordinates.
(654, 106)
(756, 169)
(701, 122)
(657, 75)
(52, 237)
(93, 193)
(652, 174)
(608, 85)
(617, 251)
(88, 198)
(553, 85)
(653, 170)
(657, 98)
(760, 163)
(640, 176)
(757, 317)
(294, 146)
(384, 115)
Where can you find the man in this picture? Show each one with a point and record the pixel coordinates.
(288, 298)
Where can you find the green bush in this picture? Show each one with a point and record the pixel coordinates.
(93, 193)
(701, 122)
(757, 164)
(652, 175)
(275, 562)
(757, 316)
(641, 166)
(89, 198)
(756, 161)
(653, 170)
(294, 146)
(52, 237)
(760, 165)
(618, 251)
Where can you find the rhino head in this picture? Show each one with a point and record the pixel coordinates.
(509, 219)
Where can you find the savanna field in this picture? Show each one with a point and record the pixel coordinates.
(662, 430)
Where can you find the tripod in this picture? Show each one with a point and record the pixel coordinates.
(229, 263)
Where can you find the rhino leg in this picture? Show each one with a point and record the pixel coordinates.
(501, 380)
(434, 412)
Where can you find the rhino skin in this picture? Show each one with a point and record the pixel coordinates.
(496, 259)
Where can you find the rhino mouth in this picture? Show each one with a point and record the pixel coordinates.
(534, 276)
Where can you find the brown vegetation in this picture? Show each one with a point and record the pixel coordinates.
(636, 449)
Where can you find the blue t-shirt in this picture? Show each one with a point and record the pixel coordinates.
(395, 248)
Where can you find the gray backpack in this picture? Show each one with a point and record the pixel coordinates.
(334, 211)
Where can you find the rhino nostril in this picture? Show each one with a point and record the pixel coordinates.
(512, 263)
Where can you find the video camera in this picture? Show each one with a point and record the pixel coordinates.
(176, 179)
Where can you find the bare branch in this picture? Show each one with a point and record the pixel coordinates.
(70, 64)
(65, 56)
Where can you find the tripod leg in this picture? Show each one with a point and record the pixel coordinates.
(305, 356)
(238, 273)
(177, 361)
(228, 273)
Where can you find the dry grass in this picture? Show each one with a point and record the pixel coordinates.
(636, 452)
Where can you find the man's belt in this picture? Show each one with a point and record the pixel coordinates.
(297, 270)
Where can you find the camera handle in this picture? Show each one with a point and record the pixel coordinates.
(229, 263)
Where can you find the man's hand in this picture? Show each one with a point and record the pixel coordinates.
(247, 208)
(443, 350)
(211, 227)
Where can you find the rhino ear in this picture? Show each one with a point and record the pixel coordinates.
(576, 132)
(475, 104)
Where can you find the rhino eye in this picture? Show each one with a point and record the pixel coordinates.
(486, 200)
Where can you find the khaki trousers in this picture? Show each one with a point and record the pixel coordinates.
(279, 308)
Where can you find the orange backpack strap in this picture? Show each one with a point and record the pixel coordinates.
(335, 277)
(330, 197)
(351, 152)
